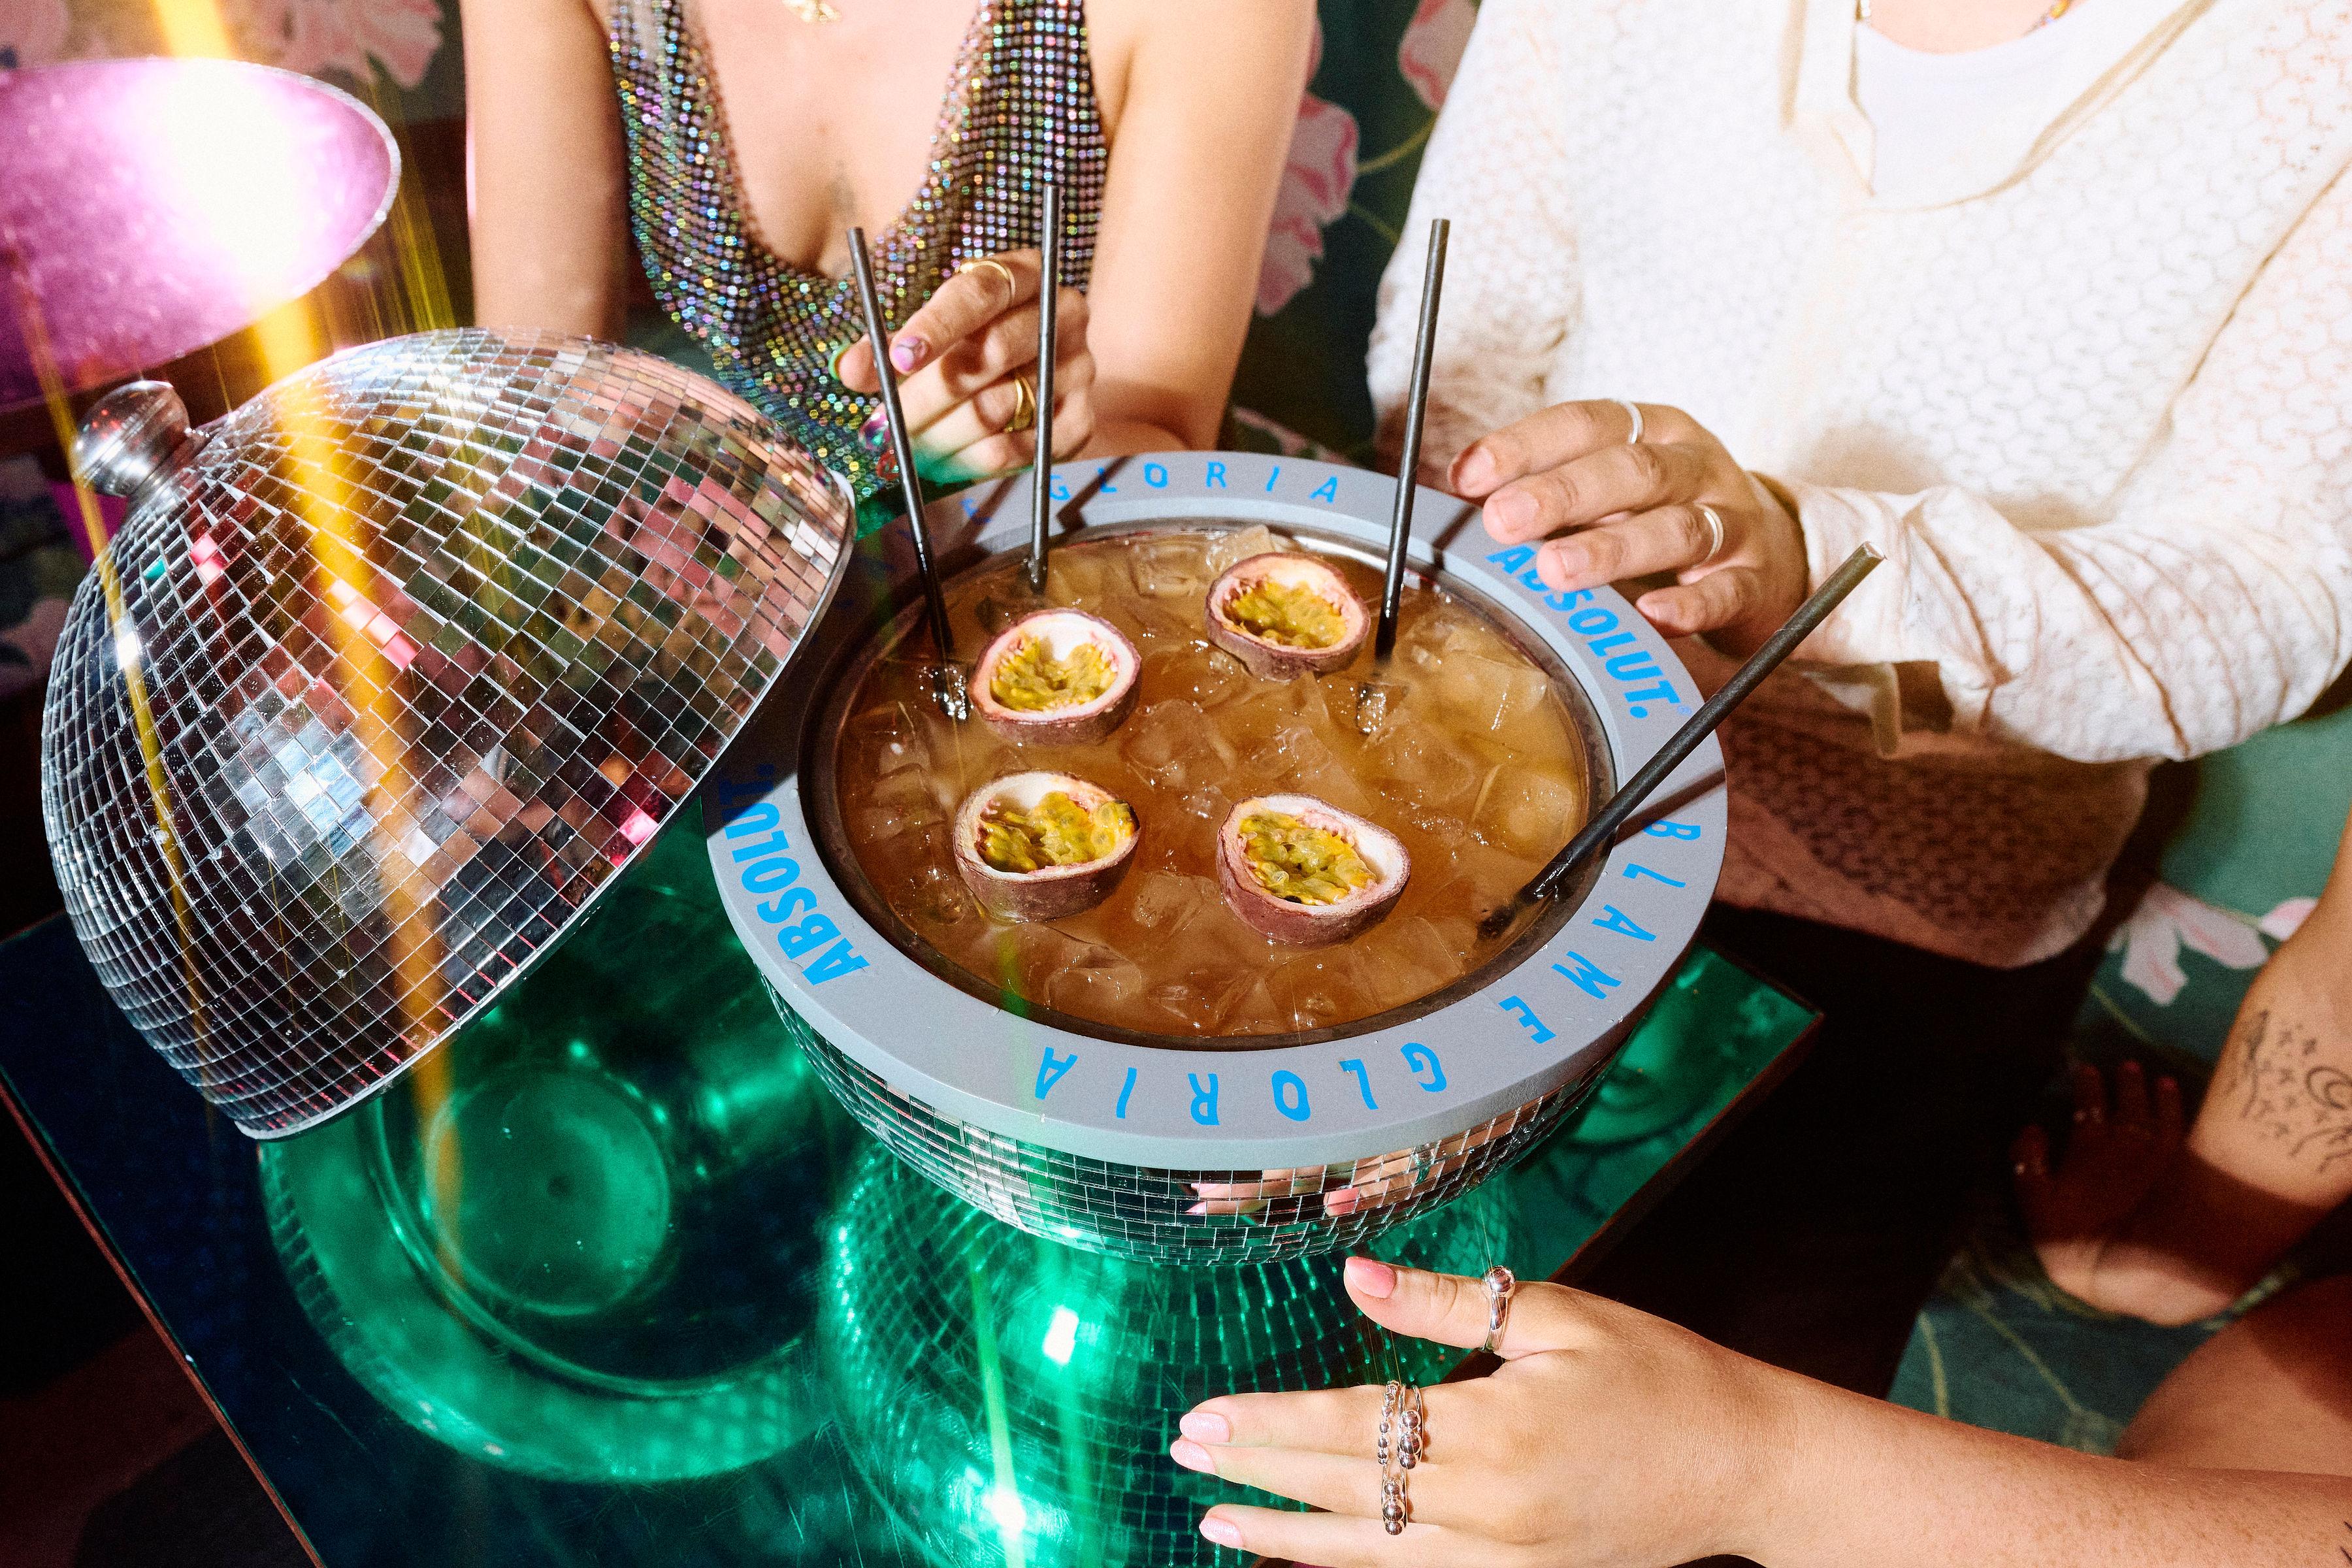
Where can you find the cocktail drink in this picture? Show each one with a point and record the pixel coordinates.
(1460, 750)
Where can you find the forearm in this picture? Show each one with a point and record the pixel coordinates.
(1864, 1484)
(1123, 438)
(2271, 1151)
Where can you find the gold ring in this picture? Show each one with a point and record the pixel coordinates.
(1012, 284)
(1024, 406)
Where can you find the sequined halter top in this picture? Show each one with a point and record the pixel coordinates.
(1020, 109)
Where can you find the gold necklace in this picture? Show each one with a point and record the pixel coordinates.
(812, 10)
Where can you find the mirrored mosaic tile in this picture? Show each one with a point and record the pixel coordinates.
(1181, 1217)
(393, 667)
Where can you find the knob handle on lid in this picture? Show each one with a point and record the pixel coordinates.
(127, 437)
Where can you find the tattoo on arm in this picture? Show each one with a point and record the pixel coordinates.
(2278, 1080)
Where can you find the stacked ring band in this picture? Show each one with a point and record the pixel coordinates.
(1633, 412)
(1405, 1413)
(1024, 406)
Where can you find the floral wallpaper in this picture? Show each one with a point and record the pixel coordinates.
(406, 45)
(1381, 71)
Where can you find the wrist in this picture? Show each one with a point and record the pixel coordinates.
(1774, 1486)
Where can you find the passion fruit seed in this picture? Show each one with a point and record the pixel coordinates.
(1288, 612)
(1056, 831)
(1030, 680)
(1301, 863)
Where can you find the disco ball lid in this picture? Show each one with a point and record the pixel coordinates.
(389, 672)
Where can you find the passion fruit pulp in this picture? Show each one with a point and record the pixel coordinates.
(1056, 677)
(1285, 614)
(1056, 831)
(1301, 870)
(1042, 846)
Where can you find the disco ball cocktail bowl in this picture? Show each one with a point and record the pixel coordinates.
(1153, 1147)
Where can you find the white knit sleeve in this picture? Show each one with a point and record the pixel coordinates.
(1495, 168)
(2213, 601)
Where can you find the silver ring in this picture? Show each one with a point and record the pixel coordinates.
(1714, 520)
(1632, 412)
(1498, 1282)
(1407, 1421)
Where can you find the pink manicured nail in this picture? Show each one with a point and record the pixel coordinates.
(1218, 1530)
(1371, 1276)
(1192, 1455)
(1202, 1207)
(908, 352)
(1473, 469)
(1202, 1426)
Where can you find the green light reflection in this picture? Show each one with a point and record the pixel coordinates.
(1010, 1399)
(579, 1240)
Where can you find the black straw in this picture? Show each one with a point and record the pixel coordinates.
(901, 444)
(1601, 831)
(1041, 477)
(1408, 462)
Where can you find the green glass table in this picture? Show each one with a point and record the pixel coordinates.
(610, 1280)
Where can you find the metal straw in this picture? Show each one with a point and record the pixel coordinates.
(1601, 831)
(1408, 462)
(948, 679)
(1041, 469)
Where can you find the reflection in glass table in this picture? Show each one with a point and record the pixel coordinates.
(610, 1278)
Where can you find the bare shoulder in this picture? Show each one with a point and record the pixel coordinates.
(1249, 42)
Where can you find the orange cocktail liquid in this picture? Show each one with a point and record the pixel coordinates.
(1474, 765)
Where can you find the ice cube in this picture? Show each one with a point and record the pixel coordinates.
(1487, 694)
(1408, 959)
(1301, 759)
(890, 738)
(1369, 703)
(1202, 675)
(1248, 1007)
(1173, 743)
(1089, 978)
(1166, 901)
(1080, 575)
(935, 895)
(1241, 544)
(1426, 768)
(1321, 988)
(1168, 566)
(1530, 810)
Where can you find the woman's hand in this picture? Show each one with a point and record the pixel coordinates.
(959, 359)
(1607, 1438)
(1614, 509)
(2116, 1155)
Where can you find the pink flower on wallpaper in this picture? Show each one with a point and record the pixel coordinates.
(32, 32)
(1314, 196)
(1431, 50)
(2168, 919)
(352, 37)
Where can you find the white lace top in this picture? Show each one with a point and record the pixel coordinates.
(2088, 386)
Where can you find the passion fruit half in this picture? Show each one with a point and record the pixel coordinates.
(1060, 678)
(1040, 846)
(1286, 616)
(1301, 870)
